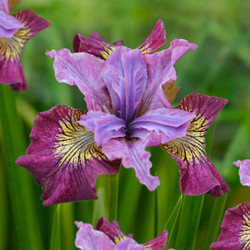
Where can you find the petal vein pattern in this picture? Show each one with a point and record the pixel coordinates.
(84, 71)
(64, 158)
(189, 151)
(11, 69)
(134, 156)
(235, 229)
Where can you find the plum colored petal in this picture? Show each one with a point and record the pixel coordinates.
(11, 69)
(197, 173)
(159, 242)
(84, 71)
(235, 229)
(126, 78)
(104, 126)
(155, 40)
(9, 25)
(133, 155)
(244, 171)
(112, 230)
(169, 124)
(64, 158)
(160, 71)
(94, 45)
(89, 239)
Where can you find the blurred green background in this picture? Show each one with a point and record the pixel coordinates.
(220, 67)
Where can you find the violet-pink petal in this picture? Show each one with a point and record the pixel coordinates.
(126, 78)
(104, 126)
(160, 71)
(197, 173)
(159, 242)
(128, 244)
(9, 25)
(169, 124)
(85, 71)
(89, 239)
(244, 171)
(4, 6)
(235, 229)
(64, 158)
(133, 155)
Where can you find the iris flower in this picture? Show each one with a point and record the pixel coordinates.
(235, 229)
(15, 31)
(244, 171)
(127, 111)
(108, 236)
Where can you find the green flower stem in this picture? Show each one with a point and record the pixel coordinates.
(189, 222)
(18, 179)
(55, 242)
(215, 219)
(114, 189)
(170, 226)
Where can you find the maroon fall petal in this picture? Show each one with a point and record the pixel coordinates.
(63, 157)
(11, 69)
(197, 173)
(235, 229)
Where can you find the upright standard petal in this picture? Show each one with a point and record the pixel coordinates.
(155, 40)
(89, 239)
(244, 171)
(161, 71)
(235, 229)
(134, 156)
(197, 173)
(64, 158)
(84, 71)
(11, 69)
(126, 78)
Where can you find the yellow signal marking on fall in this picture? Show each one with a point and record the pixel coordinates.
(245, 232)
(75, 145)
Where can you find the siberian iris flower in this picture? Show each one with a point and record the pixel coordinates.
(127, 111)
(244, 171)
(108, 236)
(235, 229)
(15, 31)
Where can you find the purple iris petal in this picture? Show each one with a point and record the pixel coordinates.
(160, 71)
(85, 71)
(11, 69)
(235, 229)
(9, 25)
(155, 40)
(134, 156)
(4, 6)
(244, 171)
(167, 123)
(109, 236)
(197, 173)
(63, 157)
(126, 79)
(88, 238)
(104, 126)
